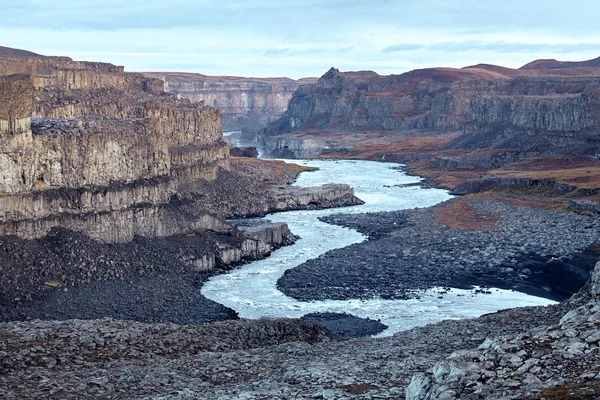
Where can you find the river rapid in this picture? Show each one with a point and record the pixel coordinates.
(251, 289)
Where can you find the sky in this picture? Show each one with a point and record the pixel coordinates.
(302, 38)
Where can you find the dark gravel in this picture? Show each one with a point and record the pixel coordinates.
(68, 275)
(173, 299)
(529, 250)
(347, 326)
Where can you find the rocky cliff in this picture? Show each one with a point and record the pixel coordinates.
(114, 190)
(556, 361)
(536, 115)
(245, 103)
(540, 108)
(91, 148)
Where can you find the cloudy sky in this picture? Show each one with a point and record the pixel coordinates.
(299, 38)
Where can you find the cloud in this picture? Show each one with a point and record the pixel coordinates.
(402, 47)
(502, 47)
(276, 52)
(291, 38)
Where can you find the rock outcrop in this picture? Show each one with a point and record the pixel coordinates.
(558, 361)
(537, 116)
(538, 109)
(245, 103)
(104, 153)
(249, 152)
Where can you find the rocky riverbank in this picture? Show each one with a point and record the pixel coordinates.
(526, 353)
(297, 359)
(68, 275)
(505, 246)
(232, 360)
(555, 362)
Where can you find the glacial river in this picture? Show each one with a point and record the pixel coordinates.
(251, 290)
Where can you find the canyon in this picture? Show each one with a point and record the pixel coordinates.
(117, 193)
(245, 103)
(541, 108)
(92, 154)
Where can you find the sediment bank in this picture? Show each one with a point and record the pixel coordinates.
(412, 250)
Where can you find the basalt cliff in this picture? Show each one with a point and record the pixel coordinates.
(99, 169)
(545, 107)
(88, 147)
(245, 103)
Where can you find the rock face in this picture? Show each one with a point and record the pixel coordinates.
(245, 103)
(424, 100)
(536, 115)
(104, 153)
(549, 362)
(249, 152)
(541, 108)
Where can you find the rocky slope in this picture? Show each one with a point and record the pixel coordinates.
(536, 347)
(557, 361)
(541, 108)
(95, 161)
(245, 103)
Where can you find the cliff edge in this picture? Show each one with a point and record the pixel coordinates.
(546, 107)
(245, 103)
(91, 148)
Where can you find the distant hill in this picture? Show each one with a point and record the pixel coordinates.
(17, 53)
(554, 64)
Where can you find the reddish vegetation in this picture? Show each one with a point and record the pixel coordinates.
(379, 146)
(581, 391)
(554, 64)
(578, 172)
(269, 170)
(421, 152)
(461, 215)
(447, 179)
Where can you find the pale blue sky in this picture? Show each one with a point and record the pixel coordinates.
(302, 37)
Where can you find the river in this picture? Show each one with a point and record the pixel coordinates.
(251, 289)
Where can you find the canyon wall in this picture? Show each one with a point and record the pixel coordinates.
(552, 109)
(366, 101)
(536, 115)
(245, 103)
(91, 148)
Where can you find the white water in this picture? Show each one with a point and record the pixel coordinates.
(251, 290)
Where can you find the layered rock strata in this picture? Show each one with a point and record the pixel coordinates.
(111, 163)
(535, 110)
(245, 103)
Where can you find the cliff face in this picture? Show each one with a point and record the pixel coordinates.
(536, 115)
(543, 107)
(245, 103)
(366, 101)
(105, 153)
